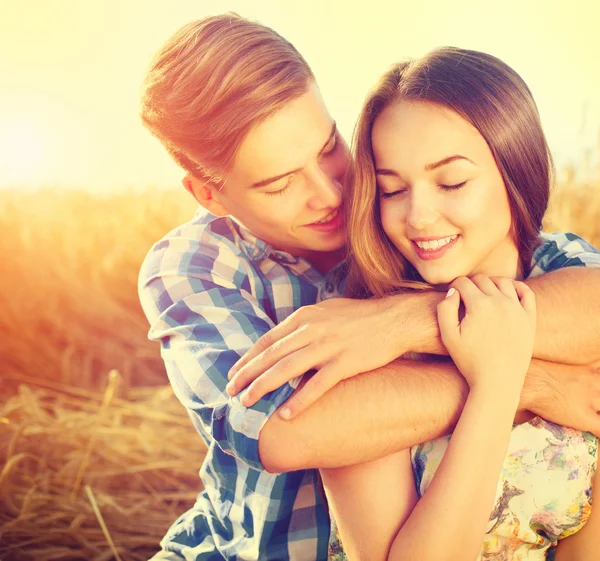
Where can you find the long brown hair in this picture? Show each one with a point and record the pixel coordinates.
(212, 82)
(493, 98)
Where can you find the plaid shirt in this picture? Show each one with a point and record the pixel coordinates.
(210, 289)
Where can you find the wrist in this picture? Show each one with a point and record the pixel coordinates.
(538, 386)
(414, 322)
(496, 398)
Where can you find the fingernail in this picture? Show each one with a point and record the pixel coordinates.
(285, 413)
(450, 292)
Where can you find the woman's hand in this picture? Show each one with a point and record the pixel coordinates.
(493, 343)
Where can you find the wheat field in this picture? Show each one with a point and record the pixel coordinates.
(86, 412)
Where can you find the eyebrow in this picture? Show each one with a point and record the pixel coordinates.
(265, 182)
(428, 167)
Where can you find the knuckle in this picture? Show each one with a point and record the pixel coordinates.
(264, 342)
(326, 339)
(268, 352)
(305, 313)
(319, 384)
(284, 365)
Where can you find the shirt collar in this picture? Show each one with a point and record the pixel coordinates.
(258, 250)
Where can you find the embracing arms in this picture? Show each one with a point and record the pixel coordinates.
(342, 337)
(411, 402)
(405, 403)
(450, 519)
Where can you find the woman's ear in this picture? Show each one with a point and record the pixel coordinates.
(204, 193)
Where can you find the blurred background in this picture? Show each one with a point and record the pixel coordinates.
(97, 456)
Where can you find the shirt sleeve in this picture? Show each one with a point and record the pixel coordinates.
(202, 308)
(563, 249)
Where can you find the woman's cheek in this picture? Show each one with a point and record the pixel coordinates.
(393, 218)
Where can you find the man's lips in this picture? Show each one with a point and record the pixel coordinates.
(330, 222)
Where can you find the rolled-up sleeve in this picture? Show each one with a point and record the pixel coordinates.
(204, 310)
(563, 249)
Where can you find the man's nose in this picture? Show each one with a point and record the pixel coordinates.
(326, 192)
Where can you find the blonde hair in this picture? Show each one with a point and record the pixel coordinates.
(212, 82)
(491, 96)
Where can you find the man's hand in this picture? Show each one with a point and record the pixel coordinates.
(339, 337)
(565, 394)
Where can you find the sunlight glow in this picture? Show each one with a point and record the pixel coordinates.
(23, 152)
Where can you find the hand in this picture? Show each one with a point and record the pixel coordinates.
(565, 394)
(339, 337)
(493, 343)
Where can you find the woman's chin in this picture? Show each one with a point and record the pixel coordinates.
(440, 281)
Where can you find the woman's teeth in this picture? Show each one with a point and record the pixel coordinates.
(435, 244)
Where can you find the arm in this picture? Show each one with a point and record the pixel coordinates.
(332, 335)
(370, 502)
(451, 518)
(568, 317)
(204, 321)
(585, 544)
(449, 521)
(405, 403)
(568, 303)
(376, 508)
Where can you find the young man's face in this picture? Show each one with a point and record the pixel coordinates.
(285, 186)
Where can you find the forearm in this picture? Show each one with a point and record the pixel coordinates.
(568, 317)
(449, 521)
(380, 412)
(366, 417)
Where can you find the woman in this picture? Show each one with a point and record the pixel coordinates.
(452, 180)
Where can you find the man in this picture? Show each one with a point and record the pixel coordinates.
(238, 108)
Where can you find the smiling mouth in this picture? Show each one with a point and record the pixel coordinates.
(329, 217)
(432, 245)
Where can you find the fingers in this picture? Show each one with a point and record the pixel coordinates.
(507, 287)
(469, 291)
(279, 353)
(265, 344)
(290, 367)
(315, 388)
(485, 284)
(260, 346)
(447, 311)
(527, 299)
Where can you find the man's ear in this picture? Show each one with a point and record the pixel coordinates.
(204, 193)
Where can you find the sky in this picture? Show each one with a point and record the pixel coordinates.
(70, 72)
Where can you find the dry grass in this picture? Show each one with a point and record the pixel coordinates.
(92, 471)
(70, 261)
(69, 452)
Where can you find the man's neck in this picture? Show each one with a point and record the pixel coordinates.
(324, 261)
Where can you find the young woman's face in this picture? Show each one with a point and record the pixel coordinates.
(443, 201)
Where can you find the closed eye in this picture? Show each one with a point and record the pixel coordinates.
(332, 146)
(384, 195)
(453, 187)
(283, 189)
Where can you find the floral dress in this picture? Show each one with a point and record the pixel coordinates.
(544, 491)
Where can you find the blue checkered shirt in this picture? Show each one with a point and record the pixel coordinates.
(210, 289)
